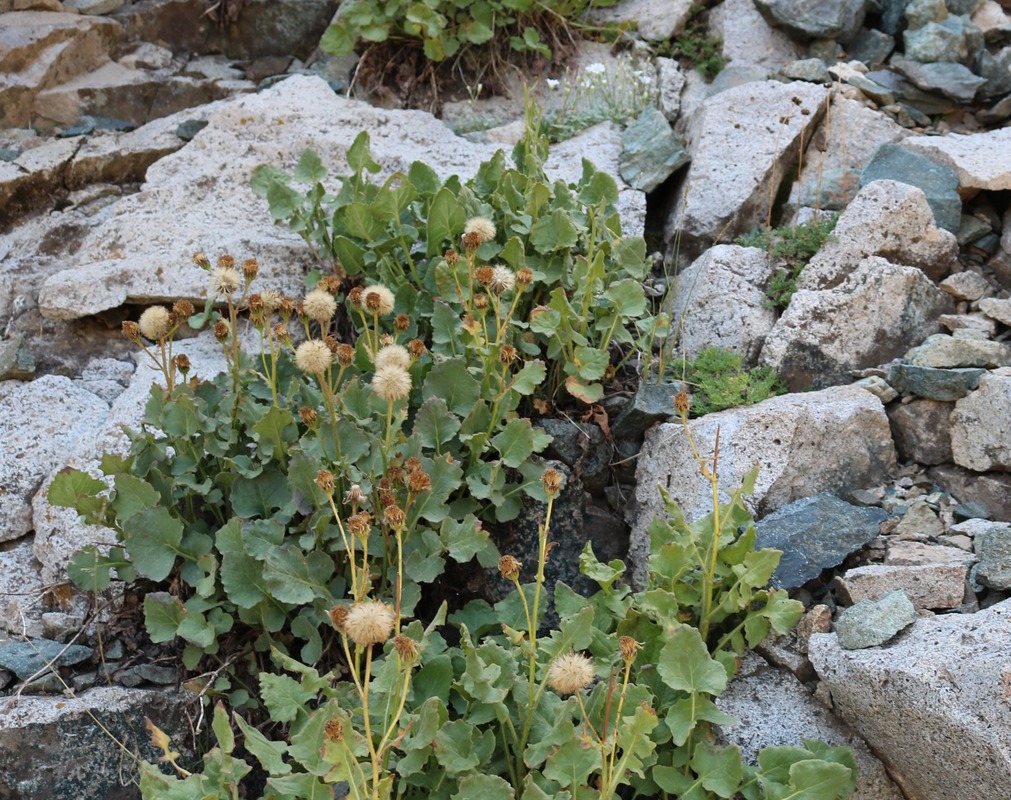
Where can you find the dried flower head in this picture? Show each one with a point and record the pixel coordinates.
(401, 323)
(416, 348)
(326, 481)
(378, 300)
(391, 383)
(551, 480)
(182, 363)
(369, 622)
(394, 516)
(281, 332)
(338, 615)
(226, 261)
(319, 306)
(313, 357)
(503, 280)
(271, 300)
(355, 297)
(255, 303)
(570, 672)
(471, 241)
(330, 284)
(418, 481)
(386, 340)
(286, 305)
(345, 355)
(131, 330)
(201, 261)
(406, 647)
(507, 355)
(221, 330)
(482, 227)
(394, 477)
(225, 281)
(394, 355)
(524, 277)
(360, 524)
(682, 403)
(308, 416)
(333, 729)
(332, 343)
(629, 648)
(155, 323)
(250, 269)
(182, 308)
(484, 275)
(412, 464)
(355, 496)
(452, 257)
(480, 302)
(509, 568)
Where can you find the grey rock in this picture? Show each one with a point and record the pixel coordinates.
(774, 709)
(815, 19)
(946, 351)
(965, 511)
(892, 15)
(939, 184)
(921, 431)
(920, 520)
(735, 75)
(997, 71)
(966, 285)
(999, 310)
(933, 705)
(975, 320)
(916, 554)
(190, 128)
(720, 301)
(16, 359)
(51, 747)
(928, 586)
(998, 112)
(655, 20)
(32, 657)
(980, 160)
(816, 533)
(962, 6)
(993, 547)
(992, 20)
(20, 591)
(872, 47)
(813, 70)
(94, 6)
(670, 82)
(980, 435)
(992, 489)
(873, 622)
(749, 39)
(879, 387)
(921, 12)
(952, 80)
(650, 152)
(581, 446)
(923, 102)
(938, 41)
(651, 403)
(945, 385)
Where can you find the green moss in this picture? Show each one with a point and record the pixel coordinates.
(719, 381)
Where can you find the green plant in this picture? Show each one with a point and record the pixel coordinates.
(719, 381)
(695, 48)
(795, 246)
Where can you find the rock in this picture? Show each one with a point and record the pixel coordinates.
(871, 47)
(52, 747)
(748, 38)
(923, 102)
(94, 6)
(20, 591)
(933, 705)
(920, 520)
(952, 80)
(980, 435)
(878, 387)
(961, 349)
(786, 436)
(190, 128)
(920, 429)
(921, 12)
(980, 160)
(651, 403)
(997, 71)
(871, 317)
(650, 152)
(655, 20)
(993, 548)
(16, 360)
(774, 709)
(917, 554)
(992, 490)
(873, 622)
(992, 20)
(830, 174)
(947, 40)
(670, 82)
(33, 443)
(945, 385)
(32, 658)
(970, 229)
(999, 310)
(35, 177)
(750, 139)
(975, 321)
(816, 533)
(581, 446)
(966, 285)
(998, 112)
(815, 19)
(720, 301)
(887, 219)
(939, 184)
(813, 70)
(966, 511)
(929, 586)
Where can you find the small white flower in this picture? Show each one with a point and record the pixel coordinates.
(552, 83)
(595, 68)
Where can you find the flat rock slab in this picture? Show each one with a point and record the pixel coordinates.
(935, 705)
(980, 433)
(929, 586)
(38, 656)
(993, 546)
(199, 198)
(873, 622)
(982, 160)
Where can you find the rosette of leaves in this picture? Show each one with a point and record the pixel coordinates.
(589, 307)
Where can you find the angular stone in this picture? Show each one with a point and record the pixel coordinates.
(651, 403)
(20, 591)
(966, 511)
(920, 520)
(670, 82)
(816, 533)
(807, 69)
(920, 12)
(655, 20)
(581, 446)
(952, 80)
(934, 704)
(785, 436)
(872, 316)
(749, 39)
(993, 548)
(938, 41)
(750, 139)
(992, 20)
(873, 622)
(879, 387)
(924, 103)
(16, 359)
(966, 285)
(981, 160)
(921, 432)
(999, 310)
(872, 47)
(28, 659)
(929, 586)
(959, 350)
(992, 490)
(975, 321)
(815, 19)
(94, 6)
(980, 435)
(35, 178)
(917, 554)
(939, 183)
(945, 385)
(720, 301)
(650, 152)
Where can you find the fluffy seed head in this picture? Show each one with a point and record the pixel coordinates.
(392, 383)
(319, 306)
(482, 227)
(570, 672)
(313, 357)
(271, 300)
(155, 323)
(224, 281)
(393, 355)
(355, 496)
(369, 622)
(507, 355)
(509, 567)
(503, 280)
(378, 300)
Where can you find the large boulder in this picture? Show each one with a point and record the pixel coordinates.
(787, 437)
(874, 315)
(980, 433)
(982, 160)
(748, 39)
(749, 141)
(815, 19)
(933, 705)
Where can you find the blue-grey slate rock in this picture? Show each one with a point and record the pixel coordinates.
(815, 19)
(580, 445)
(926, 102)
(812, 70)
(893, 16)
(971, 229)
(940, 184)
(938, 41)
(816, 533)
(952, 80)
(934, 383)
(190, 128)
(651, 403)
(16, 359)
(24, 659)
(873, 622)
(650, 152)
(8, 154)
(997, 71)
(962, 6)
(872, 47)
(993, 547)
(964, 511)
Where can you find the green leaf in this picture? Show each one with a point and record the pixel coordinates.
(603, 574)
(359, 156)
(461, 747)
(599, 186)
(261, 536)
(483, 787)
(284, 697)
(152, 540)
(434, 424)
(554, 231)
(260, 496)
(222, 729)
(270, 754)
(275, 432)
(628, 297)
(812, 779)
(464, 539)
(529, 378)
(91, 571)
(423, 178)
(242, 579)
(337, 40)
(451, 381)
(684, 715)
(133, 496)
(589, 393)
(350, 253)
(71, 486)
(516, 442)
(685, 664)
(294, 577)
(309, 168)
(591, 363)
(163, 614)
(446, 219)
(572, 763)
(301, 785)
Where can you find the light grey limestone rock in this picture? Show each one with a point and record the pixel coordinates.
(966, 347)
(670, 82)
(998, 309)
(982, 160)
(930, 586)
(873, 622)
(934, 705)
(720, 301)
(748, 39)
(655, 19)
(21, 593)
(993, 547)
(916, 554)
(980, 434)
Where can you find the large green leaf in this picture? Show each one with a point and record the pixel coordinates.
(685, 664)
(451, 381)
(260, 496)
(294, 577)
(446, 219)
(152, 540)
(554, 231)
(483, 787)
(434, 424)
